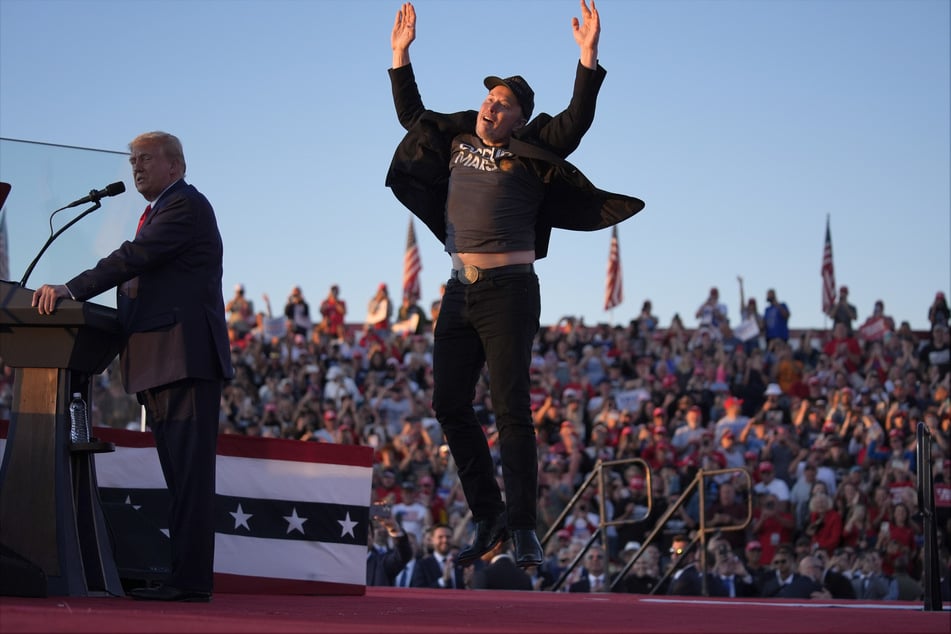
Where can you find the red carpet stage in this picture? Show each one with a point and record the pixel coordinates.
(418, 611)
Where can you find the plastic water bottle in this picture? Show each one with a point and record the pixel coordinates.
(78, 422)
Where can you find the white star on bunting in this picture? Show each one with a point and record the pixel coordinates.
(295, 523)
(241, 518)
(346, 526)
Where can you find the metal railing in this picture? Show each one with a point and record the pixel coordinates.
(597, 475)
(697, 485)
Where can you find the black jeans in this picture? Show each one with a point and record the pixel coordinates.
(492, 322)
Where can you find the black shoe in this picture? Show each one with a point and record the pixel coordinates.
(489, 532)
(528, 551)
(170, 593)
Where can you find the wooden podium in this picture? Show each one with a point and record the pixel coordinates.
(53, 535)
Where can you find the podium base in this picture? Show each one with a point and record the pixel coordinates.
(20, 577)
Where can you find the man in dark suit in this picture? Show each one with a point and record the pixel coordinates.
(785, 581)
(685, 578)
(870, 583)
(176, 353)
(595, 577)
(384, 563)
(838, 585)
(439, 570)
(501, 573)
(729, 577)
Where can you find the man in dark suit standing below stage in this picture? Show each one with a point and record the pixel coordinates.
(176, 354)
(439, 570)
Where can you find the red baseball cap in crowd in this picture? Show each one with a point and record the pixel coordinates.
(754, 545)
(637, 482)
(688, 461)
(659, 411)
(765, 466)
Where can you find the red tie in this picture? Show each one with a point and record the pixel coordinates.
(142, 219)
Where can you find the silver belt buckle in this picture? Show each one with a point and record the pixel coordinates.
(470, 274)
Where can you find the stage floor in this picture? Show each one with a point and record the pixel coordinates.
(418, 611)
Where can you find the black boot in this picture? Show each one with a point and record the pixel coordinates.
(489, 532)
(528, 550)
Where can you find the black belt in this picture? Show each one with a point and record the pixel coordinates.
(470, 274)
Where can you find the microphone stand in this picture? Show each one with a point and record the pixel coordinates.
(52, 237)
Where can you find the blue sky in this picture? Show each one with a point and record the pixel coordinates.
(742, 124)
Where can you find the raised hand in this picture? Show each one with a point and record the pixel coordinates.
(587, 33)
(404, 32)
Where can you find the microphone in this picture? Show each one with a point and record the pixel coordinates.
(111, 190)
(94, 196)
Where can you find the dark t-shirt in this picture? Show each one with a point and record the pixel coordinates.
(493, 199)
(940, 356)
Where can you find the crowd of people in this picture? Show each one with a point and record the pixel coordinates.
(822, 422)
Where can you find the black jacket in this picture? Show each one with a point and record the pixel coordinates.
(428, 571)
(169, 300)
(382, 567)
(419, 171)
(799, 587)
(501, 574)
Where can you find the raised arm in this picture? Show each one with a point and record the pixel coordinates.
(404, 32)
(587, 32)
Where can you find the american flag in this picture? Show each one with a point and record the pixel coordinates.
(613, 289)
(828, 272)
(291, 517)
(411, 266)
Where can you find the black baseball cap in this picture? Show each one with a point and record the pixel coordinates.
(519, 87)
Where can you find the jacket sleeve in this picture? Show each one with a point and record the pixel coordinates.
(395, 560)
(562, 133)
(406, 97)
